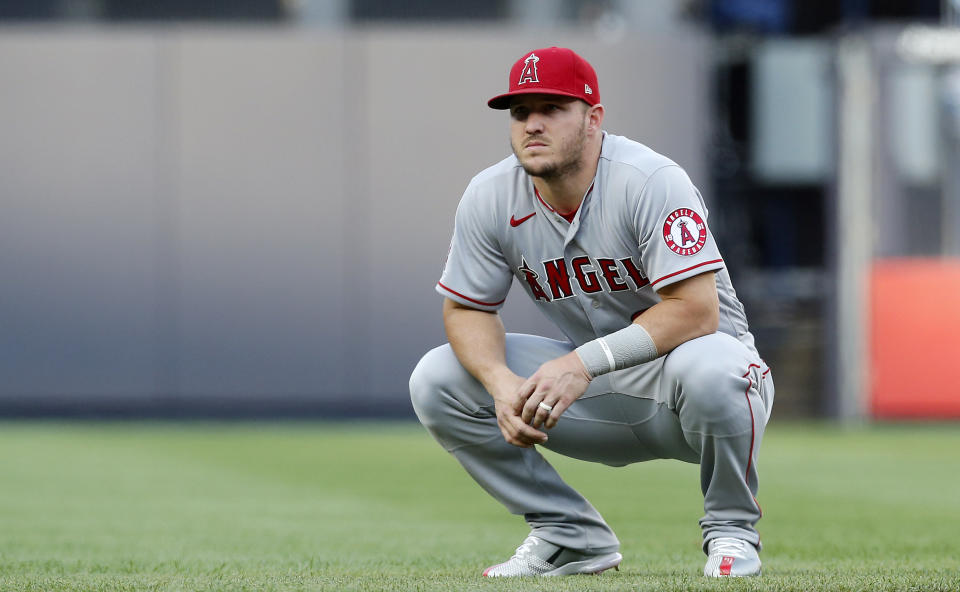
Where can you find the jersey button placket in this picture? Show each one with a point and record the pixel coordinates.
(588, 304)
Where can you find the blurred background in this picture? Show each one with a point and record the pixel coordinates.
(214, 208)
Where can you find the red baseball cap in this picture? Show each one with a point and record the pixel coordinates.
(551, 71)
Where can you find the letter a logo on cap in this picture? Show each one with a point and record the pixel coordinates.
(529, 73)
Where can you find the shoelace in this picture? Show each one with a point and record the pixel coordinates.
(526, 548)
(729, 546)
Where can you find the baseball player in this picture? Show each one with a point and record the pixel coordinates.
(610, 240)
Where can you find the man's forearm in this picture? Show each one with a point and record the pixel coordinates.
(687, 310)
(672, 322)
(478, 339)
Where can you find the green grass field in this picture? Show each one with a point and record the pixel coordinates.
(366, 506)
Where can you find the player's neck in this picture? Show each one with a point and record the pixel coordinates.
(565, 194)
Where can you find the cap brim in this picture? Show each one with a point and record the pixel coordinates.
(503, 101)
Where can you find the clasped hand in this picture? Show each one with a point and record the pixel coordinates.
(556, 384)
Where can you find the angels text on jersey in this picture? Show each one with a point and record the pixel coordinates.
(554, 279)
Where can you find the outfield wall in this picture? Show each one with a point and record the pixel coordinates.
(223, 220)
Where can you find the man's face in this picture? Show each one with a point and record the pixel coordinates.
(548, 134)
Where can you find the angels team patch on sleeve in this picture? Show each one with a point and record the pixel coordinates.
(685, 232)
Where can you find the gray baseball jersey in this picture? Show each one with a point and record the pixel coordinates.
(642, 226)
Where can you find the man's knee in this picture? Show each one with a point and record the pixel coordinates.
(426, 382)
(710, 379)
(437, 384)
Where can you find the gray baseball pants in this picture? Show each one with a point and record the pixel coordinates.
(712, 401)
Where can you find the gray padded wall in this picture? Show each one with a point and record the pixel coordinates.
(260, 196)
(213, 217)
(78, 198)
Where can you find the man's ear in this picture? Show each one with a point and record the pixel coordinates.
(595, 117)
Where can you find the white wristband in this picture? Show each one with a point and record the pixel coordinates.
(621, 349)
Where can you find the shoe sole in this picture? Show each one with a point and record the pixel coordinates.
(594, 565)
(738, 570)
(732, 575)
(749, 575)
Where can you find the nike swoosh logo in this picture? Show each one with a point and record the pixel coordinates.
(514, 222)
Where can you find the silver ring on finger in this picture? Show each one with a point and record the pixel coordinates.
(545, 407)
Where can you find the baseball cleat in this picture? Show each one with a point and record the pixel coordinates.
(730, 557)
(537, 557)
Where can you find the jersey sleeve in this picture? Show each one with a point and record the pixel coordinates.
(476, 273)
(671, 223)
